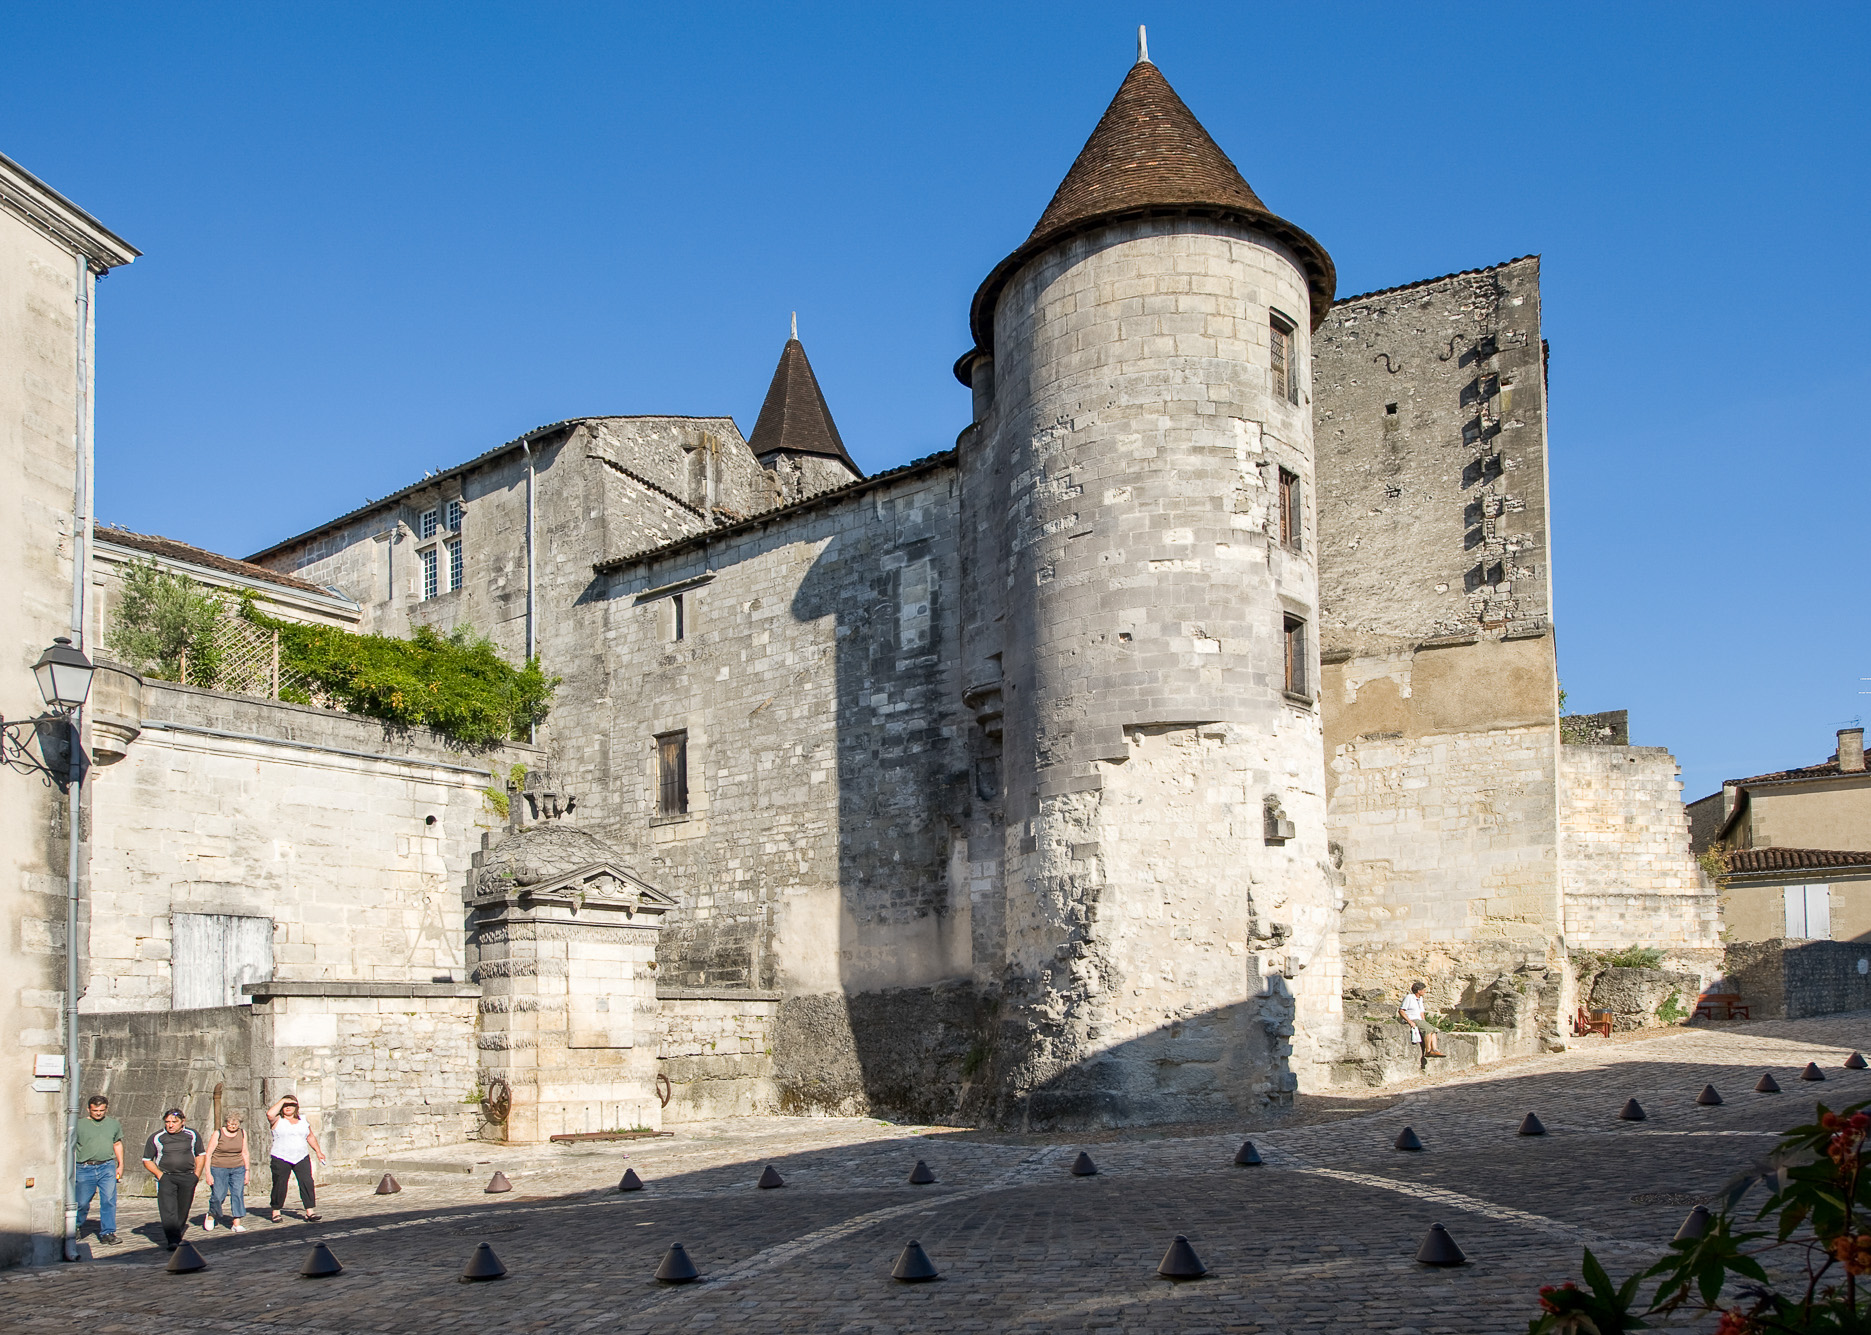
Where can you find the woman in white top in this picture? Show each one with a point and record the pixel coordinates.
(1412, 1013)
(294, 1144)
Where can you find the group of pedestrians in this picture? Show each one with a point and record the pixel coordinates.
(178, 1158)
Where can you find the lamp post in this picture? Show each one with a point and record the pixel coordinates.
(63, 674)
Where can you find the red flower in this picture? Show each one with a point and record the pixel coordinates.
(1734, 1322)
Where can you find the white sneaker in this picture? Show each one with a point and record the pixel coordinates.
(207, 1223)
(236, 1226)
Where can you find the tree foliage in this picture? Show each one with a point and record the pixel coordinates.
(456, 684)
(160, 617)
(1819, 1243)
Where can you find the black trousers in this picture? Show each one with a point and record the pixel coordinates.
(284, 1172)
(175, 1194)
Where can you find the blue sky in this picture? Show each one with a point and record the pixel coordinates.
(380, 239)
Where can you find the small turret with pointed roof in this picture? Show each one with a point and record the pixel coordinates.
(794, 419)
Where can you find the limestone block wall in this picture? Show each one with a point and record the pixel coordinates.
(717, 1052)
(352, 843)
(377, 1067)
(1120, 501)
(1625, 866)
(815, 683)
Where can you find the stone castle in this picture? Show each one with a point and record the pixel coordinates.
(1120, 764)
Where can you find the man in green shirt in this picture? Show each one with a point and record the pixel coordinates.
(99, 1150)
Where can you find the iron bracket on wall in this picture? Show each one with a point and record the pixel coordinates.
(48, 746)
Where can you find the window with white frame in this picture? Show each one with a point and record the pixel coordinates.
(454, 562)
(1809, 912)
(431, 574)
(425, 524)
(451, 514)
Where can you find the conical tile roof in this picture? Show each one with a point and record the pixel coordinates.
(794, 418)
(1149, 155)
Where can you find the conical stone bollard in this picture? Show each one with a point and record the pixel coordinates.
(1856, 1062)
(1083, 1166)
(497, 1183)
(1812, 1072)
(920, 1176)
(1247, 1156)
(185, 1260)
(1767, 1085)
(677, 1268)
(630, 1181)
(1695, 1224)
(320, 1263)
(1181, 1262)
(387, 1185)
(1708, 1098)
(1632, 1111)
(770, 1178)
(482, 1265)
(1531, 1125)
(1439, 1248)
(1407, 1139)
(914, 1266)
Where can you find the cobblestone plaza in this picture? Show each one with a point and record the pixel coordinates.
(1322, 1236)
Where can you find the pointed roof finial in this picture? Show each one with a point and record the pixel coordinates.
(1143, 46)
(795, 326)
(793, 418)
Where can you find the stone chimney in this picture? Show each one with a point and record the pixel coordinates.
(1851, 750)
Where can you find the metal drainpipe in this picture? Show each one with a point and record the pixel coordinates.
(526, 445)
(80, 547)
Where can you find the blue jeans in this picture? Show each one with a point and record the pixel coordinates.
(227, 1184)
(102, 1179)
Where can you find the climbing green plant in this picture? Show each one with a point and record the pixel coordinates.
(456, 684)
(1672, 1009)
(162, 620)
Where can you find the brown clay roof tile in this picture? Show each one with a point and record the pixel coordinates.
(1744, 860)
(171, 550)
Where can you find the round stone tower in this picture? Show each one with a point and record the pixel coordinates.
(1151, 881)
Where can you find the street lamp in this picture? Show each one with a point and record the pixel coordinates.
(64, 675)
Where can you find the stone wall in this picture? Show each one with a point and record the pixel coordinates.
(200, 1061)
(1788, 980)
(350, 839)
(1625, 866)
(717, 1053)
(1439, 680)
(378, 1067)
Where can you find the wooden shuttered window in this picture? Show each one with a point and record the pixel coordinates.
(1283, 371)
(672, 774)
(1289, 509)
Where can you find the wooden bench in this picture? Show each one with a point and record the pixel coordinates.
(1596, 1022)
(1721, 1006)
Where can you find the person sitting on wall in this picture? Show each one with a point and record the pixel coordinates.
(1413, 1013)
(294, 1144)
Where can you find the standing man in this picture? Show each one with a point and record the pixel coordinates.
(99, 1150)
(175, 1155)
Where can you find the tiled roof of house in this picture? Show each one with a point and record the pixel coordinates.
(1149, 155)
(1825, 769)
(794, 417)
(168, 549)
(1745, 860)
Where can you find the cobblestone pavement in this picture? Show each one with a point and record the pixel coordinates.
(1320, 1238)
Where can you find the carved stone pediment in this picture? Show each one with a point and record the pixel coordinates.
(560, 864)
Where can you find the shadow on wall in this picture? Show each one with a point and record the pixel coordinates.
(909, 1027)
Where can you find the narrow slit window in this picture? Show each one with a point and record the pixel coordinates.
(431, 574)
(678, 612)
(455, 563)
(672, 774)
(425, 524)
(1295, 656)
(1289, 509)
(1284, 370)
